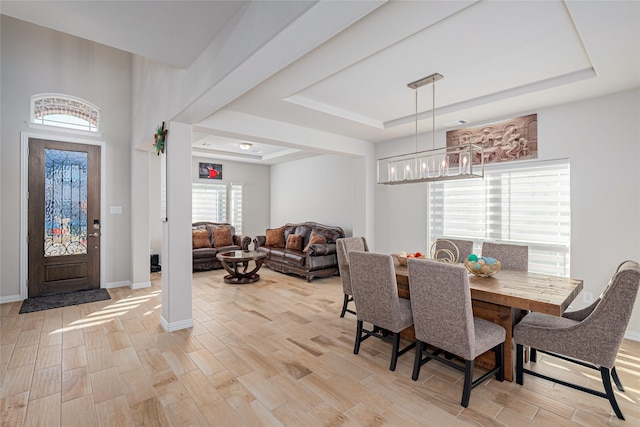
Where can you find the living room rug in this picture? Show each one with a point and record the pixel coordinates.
(63, 300)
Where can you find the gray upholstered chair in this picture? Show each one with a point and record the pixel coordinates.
(375, 293)
(511, 257)
(344, 246)
(443, 318)
(462, 250)
(590, 337)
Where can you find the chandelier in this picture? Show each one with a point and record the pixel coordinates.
(461, 161)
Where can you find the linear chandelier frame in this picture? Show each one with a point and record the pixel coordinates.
(462, 161)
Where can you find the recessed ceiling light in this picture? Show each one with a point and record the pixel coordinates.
(457, 122)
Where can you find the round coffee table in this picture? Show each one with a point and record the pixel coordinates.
(233, 259)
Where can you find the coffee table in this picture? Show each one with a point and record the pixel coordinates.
(232, 260)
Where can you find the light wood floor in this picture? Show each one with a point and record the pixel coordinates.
(272, 353)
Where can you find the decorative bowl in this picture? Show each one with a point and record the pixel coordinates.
(481, 268)
(402, 259)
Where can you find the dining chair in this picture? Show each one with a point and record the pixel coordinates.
(344, 246)
(375, 293)
(511, 257)
(443, 318)
(590, 337)
(463, 248)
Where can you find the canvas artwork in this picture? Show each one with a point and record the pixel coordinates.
(513, 139)
(210, 171)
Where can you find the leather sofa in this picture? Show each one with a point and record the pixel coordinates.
(205, 247)
(311, 252)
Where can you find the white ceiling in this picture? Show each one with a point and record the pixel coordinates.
(498, 58)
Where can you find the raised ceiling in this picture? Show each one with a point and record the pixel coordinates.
(498, 58)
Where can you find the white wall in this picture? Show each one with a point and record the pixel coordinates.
(601, 138)
(37, 60)
(320, 189)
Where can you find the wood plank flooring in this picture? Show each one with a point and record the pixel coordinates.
(272, 353)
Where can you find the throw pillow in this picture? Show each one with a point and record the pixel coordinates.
(275, 237)
(294, 242)
(221, 237)
(200, 239)
(313, 240)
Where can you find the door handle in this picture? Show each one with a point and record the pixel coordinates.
(96, 234)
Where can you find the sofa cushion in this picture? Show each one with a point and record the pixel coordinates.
(204, 253)
(295, 257)
(221, 237)
(291, 229)
(275, 237)
(294, 241)
(200, 239)
(315, 238)
(330, 235)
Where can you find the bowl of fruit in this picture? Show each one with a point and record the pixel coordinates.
(403, 256)
(482, 266)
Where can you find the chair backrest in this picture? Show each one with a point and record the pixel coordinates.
(375, 290)
(343, 247)
(607, 323)
(441, 306)
(511, 257)
(464, 248)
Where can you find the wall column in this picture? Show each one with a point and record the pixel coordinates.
(140, 219)
(176, 231)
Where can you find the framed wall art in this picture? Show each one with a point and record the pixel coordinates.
(210, 171)
(513, 139)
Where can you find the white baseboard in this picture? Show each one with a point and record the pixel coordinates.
(175, 326)
(118, 284)
(140, 285)
(632, 335)
(10, 298)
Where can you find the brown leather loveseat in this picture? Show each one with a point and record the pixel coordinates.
(209, 238)
(307, 249)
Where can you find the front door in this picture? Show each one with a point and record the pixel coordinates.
(64, 217)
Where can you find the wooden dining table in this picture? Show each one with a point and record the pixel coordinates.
(504, 299)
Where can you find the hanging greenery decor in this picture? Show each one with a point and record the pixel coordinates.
(160, 138)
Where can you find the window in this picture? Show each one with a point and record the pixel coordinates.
(64, 111)
(217, 203)
(525, 204)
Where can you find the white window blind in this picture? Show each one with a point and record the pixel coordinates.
(525, 204)
(217, 203)
(235, 211)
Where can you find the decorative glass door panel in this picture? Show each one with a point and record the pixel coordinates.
(64, 217)
(65, 203)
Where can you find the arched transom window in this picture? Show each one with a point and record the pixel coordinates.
(64, 111)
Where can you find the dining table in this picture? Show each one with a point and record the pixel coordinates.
(503, 299)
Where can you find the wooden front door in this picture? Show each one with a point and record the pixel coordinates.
(64, 217)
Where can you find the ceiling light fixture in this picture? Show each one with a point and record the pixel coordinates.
(438, 164)
(245, 146)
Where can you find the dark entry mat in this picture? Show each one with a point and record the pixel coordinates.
(63, 300)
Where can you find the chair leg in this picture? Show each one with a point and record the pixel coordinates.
(344, 305)
(468, 379)
(606, 381)
(614, 375)
(356, 348)
(418, 360)
(499, 352)
(519, 356)
(394, 354)
(534, 355)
